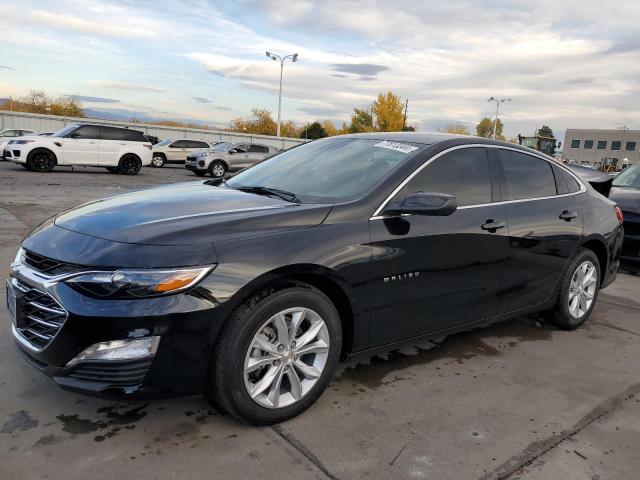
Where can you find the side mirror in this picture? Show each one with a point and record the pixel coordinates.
(426, 203)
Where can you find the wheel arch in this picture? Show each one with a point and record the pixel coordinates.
(129, 154)
(36, 149)
(598, 246)
(322, 278)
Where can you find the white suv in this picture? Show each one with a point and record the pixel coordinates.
(117, 149)
(8, 134)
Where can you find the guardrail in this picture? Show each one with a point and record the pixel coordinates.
(52, 123)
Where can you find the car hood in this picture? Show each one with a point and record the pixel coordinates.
(192, 213)
(628, 199)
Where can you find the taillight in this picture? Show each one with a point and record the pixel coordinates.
(619, 214)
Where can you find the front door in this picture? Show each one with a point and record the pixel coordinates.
(432, 273)
(545, 225)
(81, 147)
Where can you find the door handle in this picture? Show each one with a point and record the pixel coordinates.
(493, 225)
(92, 142)
(567, 216)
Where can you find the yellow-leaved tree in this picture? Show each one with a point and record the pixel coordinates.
(388, 110)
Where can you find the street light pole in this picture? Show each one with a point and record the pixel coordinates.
(495, 120)
(275, 57)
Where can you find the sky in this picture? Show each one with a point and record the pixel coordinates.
(567, 64)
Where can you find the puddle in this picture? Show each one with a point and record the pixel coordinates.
(113, 419)
(458, 347)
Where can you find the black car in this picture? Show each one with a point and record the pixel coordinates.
(625, 192)
(252, 290)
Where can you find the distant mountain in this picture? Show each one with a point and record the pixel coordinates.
(124, 115)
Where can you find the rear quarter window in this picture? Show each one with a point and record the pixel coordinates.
(526, 176)
(135, 136)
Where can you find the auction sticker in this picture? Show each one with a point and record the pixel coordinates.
(396, 146)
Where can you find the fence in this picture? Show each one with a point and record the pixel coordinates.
(52, 123)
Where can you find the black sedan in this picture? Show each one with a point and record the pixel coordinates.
(625, 192)
(251, 290)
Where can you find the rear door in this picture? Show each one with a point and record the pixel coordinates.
(112, 143)
(81, 147)
(545, 226)
(177, 151)
(432, 273)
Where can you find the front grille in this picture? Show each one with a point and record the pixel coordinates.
(49, 266)
(43, 316)
(124, 373)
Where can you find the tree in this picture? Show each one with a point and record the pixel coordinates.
(39, 102)
(330, 128)
(313, 131)
(361, 121)
(289, 129)
(545, 131)
(260, 123)
(388, 110)
(485, 128)
(455, 128)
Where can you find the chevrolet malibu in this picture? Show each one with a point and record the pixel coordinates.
(251, 290)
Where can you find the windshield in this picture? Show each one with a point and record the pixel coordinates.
(164, 143)
(65, 131)
(223, 147)
(629, 178)
(331, 169)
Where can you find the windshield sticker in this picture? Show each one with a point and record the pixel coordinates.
(396, 146)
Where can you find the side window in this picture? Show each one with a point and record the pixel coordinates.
(258, 148)
(134, 136)
(196, 144)
(111, 133)
(87, 132)
(10, 133)
(179, 144)
(527, 176)
(565, 183)
(463, 173)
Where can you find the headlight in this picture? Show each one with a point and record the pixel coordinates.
(19, 260)
(203, 154)
(20, 142)
(138, 283)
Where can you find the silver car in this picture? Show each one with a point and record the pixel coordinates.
(227, 157)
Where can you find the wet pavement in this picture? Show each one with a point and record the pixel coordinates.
(516, 400)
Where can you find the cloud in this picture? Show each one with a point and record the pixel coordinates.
(84, 98)
(127, 86)
(367, 69)
(323, 112)
(201, 100)
(580, 81)
(4, 67)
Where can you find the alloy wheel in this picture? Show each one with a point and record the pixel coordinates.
(582, 289)
(43, 161)
(157, 161)
(286, 357)
(217, 170)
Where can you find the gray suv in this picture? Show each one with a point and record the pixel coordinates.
(227, 157)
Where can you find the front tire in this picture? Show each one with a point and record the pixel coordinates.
(217, 169)
(578, 292)
(158, 160)
(129, 165)
(41, 160)
(276, 355)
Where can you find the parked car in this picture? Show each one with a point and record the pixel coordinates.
(7, 134)
(117, 149)
(227, 157)
(175, 151)
(625, 192)
(252, 290)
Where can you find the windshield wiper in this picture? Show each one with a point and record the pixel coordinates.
(259, 190)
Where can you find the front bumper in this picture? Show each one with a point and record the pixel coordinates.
(183, 322)
(195, 164)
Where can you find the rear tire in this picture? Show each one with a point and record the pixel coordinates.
(256, 352)
(41, 160)
(578, 292)
(158, 160)
(217, 169)
(129, 165)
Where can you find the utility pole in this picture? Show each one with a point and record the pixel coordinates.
(495, 120)
(404, 121)
(275, 57)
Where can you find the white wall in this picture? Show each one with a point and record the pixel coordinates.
(53, 123)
